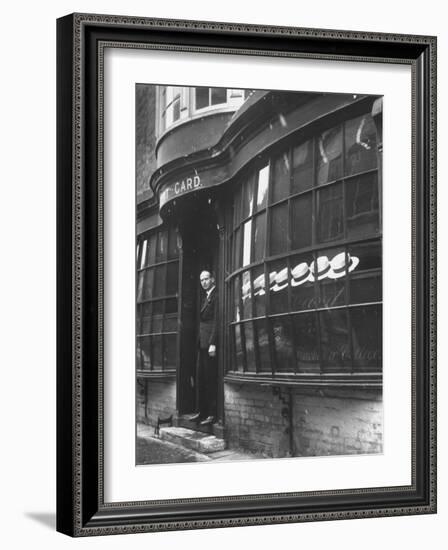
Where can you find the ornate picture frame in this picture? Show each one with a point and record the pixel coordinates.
(82, 509)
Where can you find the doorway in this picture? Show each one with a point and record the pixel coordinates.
(200, 245)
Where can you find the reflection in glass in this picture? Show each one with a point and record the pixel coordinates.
(362, 206)
(248, 197)
(302, 288)
(259, 237)
(330, 214)
(283, 341)
(250, 349)
(278, 295)
(263, 183)
(366, 334)
(302, 217)
(170, 323)
(335, 343)
(280, 180)
(159, 281)
(247, 242)
(237, 249)
(173, 251)
(360, 145)
(279, 227)
(143, 257)
(259, 289)
(145, 318)
(201, 97)
(148, 284)
(302, 167)
(238, 348)
(329, 155)
(219, 95)
(161, 250)
(306, 338)
(332, 292)
(247, 295)
(263, 345)
(236, 298)
(365, 280)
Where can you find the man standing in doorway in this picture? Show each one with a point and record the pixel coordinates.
(207, 362)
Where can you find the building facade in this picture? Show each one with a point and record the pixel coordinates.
(279, 194)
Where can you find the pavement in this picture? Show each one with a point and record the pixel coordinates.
(152, 450)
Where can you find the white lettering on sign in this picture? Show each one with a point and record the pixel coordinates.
(188, 184)
(178, 188)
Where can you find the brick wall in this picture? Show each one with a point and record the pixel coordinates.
(155, 398)
(323, 422)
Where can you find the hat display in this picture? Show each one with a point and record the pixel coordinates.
(259, 285)
(300, 274)
(342, 264)
(320, 268)
(281, 280)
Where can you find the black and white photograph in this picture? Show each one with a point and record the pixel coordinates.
(258, 274)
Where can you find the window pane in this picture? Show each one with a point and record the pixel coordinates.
(362, 206)
(335, 344)
(303, 290)
(259, 290)
(365, 273)
(306, 338)
(248, 197)
(250, 350)
(302, 218)
(157, 324)
(302, 167)
(148, 284)
(161, 250)
(170, 323)
(263, 345)
(144, 348)
(219, 95)
(330, 214)
(176, 109)
(280, 180)
(332, 284)
(246, 295)
(202, 99)
(151, 250)
(283, 341)
(247, 242)
(145, 318)
(278, 296)
(157, 352)
(238, 348)
(236, 298)
(360, 145)
(169, 351)
(367, 338)
(237, 249)
(172, 273)
(329, 155)
(140, 284)
(279, 226)
(173, 250)
(144, 246)
(159, 281)
(263, 184)
(171, 306)
(259, 246)
(158, 307)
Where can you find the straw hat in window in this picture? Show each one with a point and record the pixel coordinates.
(342, 264)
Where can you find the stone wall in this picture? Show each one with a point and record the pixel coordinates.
(330, 422)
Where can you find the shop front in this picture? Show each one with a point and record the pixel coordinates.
(284, 207)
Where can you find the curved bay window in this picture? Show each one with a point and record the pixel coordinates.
(305, 288)
(157, 301)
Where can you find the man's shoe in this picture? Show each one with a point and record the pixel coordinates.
(208, 420)
(194, 417)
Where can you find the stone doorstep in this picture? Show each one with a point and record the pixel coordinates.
(200, 442)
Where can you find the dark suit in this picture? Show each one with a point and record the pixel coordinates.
(207, 366)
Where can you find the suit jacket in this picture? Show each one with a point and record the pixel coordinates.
(208, 320)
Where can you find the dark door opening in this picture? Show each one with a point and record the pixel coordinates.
(200, 246)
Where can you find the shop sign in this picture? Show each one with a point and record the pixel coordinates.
(179, 188)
